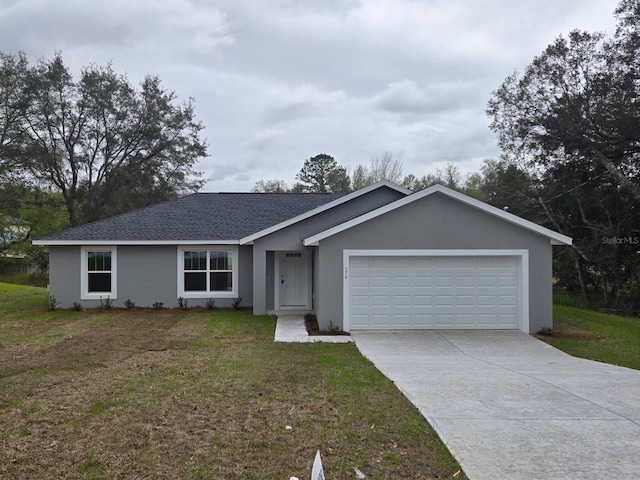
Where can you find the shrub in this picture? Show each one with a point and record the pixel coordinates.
(236, 303)
(158, 306)
(106, 303)
(53, 303)
(77, 307)
(210, 304)
(182, 303)
(128, 304)
(333, 329)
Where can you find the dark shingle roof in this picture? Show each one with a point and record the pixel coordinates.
(200, 216)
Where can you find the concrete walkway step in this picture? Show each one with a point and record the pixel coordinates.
(290, 328)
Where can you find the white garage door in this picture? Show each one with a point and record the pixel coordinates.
(446, 292)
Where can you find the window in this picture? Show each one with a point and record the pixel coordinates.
(206, 273)
(98, 272)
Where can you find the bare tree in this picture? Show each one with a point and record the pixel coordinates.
(386, 166)
(270, 186)
(381, 167)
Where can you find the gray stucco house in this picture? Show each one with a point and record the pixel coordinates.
(379, 258)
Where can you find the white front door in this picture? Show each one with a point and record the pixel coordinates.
(293, 280)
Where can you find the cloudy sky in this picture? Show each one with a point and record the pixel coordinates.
(279, 81)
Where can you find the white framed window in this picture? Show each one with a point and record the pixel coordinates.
(205, 272)
(99, 273)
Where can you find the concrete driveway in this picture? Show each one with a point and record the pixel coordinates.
(509, 406)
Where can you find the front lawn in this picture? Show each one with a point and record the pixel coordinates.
(196, 394)
(596, 336)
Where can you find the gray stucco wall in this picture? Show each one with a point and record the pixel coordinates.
(290, 239)
(64, 275)
(145, 275)
(435, 222)
(270, 279)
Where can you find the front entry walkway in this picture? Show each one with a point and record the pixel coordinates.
(290, 328)
(509, 406)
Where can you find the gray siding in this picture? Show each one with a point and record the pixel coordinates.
(64, 275)
(435, 222)
(145, 275)
(315, 278)
(290, 238)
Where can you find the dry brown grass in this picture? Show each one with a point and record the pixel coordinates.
(175, 394)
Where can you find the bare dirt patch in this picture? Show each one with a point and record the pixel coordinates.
(120, 338)
(573, 335)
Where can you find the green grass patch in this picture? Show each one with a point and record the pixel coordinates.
(198, 394)
(569, 299)
(33, 279)
(596, 336)
(91, 469)
(22, 298)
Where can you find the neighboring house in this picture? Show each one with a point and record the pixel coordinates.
(12, 230)
(379, 258)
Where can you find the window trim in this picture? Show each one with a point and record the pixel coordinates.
(84, 273)
(235, 274)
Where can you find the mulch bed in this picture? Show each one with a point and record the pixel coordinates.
(311, 322)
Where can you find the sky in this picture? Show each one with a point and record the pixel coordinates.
(277, 82)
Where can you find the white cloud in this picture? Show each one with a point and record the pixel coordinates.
(278, 81)
(263, 138)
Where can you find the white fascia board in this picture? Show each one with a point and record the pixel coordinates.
(133, 242)
(322, 208)
(555, 237)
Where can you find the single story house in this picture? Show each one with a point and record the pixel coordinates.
(379, 258)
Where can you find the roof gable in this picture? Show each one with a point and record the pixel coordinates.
(555, 237)
(274, 228)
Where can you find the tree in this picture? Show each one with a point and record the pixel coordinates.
(577, 101)
(449, 177)
(360, 177)
(322, 174)
(504, 185)
(571, 120)
(27, 213)
(381, 167)
(13, 77)
(105, 145)
(270, 186)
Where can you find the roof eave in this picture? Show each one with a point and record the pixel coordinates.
(44, 241)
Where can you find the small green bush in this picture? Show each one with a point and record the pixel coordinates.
(53, 303)
(333, 329)
(158, 306)
(182, 304)
(210, 304)
(106, 303)
(128, 304)
(77, 307)
(546, 331)
(236, 303)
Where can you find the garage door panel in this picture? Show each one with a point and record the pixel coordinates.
(360, 282)
(444, 281)
(402, 300)
(465, 300)
(380, 281)
(434, 292)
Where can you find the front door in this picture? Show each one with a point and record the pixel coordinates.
(293, 280)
